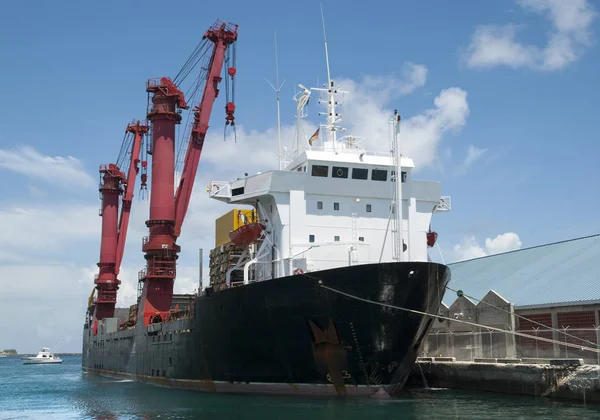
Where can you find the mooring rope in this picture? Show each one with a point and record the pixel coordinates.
(548, 340)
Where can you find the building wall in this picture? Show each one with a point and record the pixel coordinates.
(467, 342)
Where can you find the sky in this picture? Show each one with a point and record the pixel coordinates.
(498, 102)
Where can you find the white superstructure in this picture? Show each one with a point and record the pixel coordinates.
(45, 356)
(333, 204)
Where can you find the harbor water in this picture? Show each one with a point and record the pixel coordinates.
(65, 392)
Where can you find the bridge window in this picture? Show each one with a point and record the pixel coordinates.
(361, 238)
(336, 206)
(311, 238)
(339, 172)
(237, 191)
(336, 238)
(320, 170)
(368, 208)
(319, 205)
(360, 173)
(378, 175)
(393, 176)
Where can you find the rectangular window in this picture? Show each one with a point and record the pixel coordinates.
(336, 238)
(360, 173)
(336, 206)
(361, 238)
(311, 238)
(319, 205)
(339, 172)
(393, 176)
(320, 170)
(368, 208)
(378, 175)
(237, 191)
(392, 209)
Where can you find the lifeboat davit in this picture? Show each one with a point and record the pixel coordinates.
(246, 234)
(431, 238)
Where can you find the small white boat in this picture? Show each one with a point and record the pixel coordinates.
(45, 356)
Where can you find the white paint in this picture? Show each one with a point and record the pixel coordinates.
(321, 222)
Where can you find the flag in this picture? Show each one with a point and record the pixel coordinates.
(314, 137)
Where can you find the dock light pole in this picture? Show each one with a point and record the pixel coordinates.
(597, 328)
(537, 354)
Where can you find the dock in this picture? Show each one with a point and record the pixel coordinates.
(569, 379)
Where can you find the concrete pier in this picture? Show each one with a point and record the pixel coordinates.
(561, 378)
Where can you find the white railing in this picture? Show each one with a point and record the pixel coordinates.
(288, 157)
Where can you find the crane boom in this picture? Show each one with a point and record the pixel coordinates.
(138, 130)
(222, 37)
(113, 184)
(166, 211)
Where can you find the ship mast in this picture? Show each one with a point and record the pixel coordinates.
(277, 89)
(398, 249)
(332, 116)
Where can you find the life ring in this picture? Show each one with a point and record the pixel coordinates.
(211, 187)
(298, 271)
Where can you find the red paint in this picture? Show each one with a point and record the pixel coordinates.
(114, 230)
(222, 36)
(431, 238)
(167, 212)
(138, 130)
(160, 248)
(246, 234)
(106, 280)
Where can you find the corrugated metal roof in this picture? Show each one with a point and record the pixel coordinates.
(560, 272)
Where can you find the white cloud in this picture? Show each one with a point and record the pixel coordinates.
(47, 226)
(414, 76)
(496, 45)
(474, 153)
(470, 248)
(366, 114)
(67, 172)
(503, 243)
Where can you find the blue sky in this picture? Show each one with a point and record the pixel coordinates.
(514, 82)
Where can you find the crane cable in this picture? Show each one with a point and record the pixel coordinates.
(125, 149)
(548, 340)
(195, 57)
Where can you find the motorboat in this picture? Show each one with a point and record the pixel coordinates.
(45, 356)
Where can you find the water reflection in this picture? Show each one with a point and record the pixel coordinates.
(64, 392)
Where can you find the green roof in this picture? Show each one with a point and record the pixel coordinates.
(557, 273)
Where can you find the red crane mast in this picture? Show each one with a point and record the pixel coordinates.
(166, 211)
(114, 183)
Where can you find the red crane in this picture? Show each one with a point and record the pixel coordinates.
(113, 184)
(166, 211)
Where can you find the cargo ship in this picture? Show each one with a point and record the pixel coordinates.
(312, 270)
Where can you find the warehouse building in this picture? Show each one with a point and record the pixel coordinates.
(550, 291)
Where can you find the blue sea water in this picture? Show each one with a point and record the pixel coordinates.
(65, 392)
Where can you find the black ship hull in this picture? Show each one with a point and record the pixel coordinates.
(288, 335)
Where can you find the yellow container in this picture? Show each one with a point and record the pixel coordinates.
(230, 221)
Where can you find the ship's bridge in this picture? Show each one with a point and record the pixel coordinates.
(320, 170)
